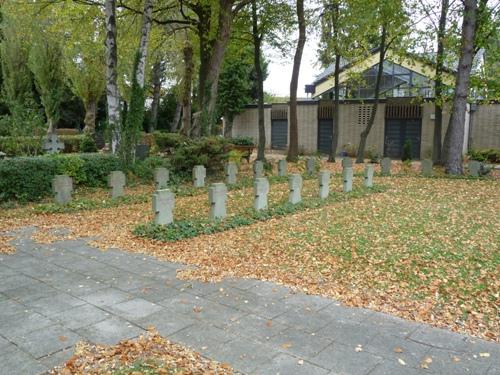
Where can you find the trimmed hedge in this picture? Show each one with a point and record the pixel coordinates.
(30, 178)
(32, 146)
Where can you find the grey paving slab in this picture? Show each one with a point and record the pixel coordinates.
(54, 304)
(166, 322)
(134, 309)
(346, 360)
(106, 297)
(110, 331)
(20, 362)
(244, 355)
(81, 316)
(23, 323)
(256, 327)
(458, 363)
(285, 364)
(395, 348)
(53, 295)
(46, 341)
(299, 343)
(348, 333)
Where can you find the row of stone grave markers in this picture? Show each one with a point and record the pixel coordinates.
(62, 185)
(164, 199)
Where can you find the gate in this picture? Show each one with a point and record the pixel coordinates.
(279, 128)
(402, 122)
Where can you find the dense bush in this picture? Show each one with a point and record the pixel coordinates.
(488, 155)
(87, 144)
(30, 178)
(143, 169)
(407, 150)
(209, 151)
(168, 140)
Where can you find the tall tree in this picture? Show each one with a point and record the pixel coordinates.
(112, 92)
(257, 42)
(454, 138)
(45, 63)
(438, 83)
(186, 90)
(293, 148)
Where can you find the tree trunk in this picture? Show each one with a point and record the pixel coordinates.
(360, 157)
(228, 126)
(438, 86)
(177, 117)
(454, 138)
(112, 92)
(90, 115)
(257, 39)
(157, 81)
(336, 114)
(293, 148)
(186, 91)
(143, 44)
(210, 68)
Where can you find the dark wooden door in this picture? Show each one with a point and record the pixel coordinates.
(325, 132)
(397, 131)
(279, 134)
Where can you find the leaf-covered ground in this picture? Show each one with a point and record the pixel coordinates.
(147, 355)
(425, 249)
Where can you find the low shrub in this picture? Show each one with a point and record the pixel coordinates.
(209, 151)
(487, 155)
(242, 141)
(88, 144)
(407, 150)
(32, 146)
(143, 170)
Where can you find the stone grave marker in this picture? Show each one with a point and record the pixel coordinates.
(161, 176)
(347, 176)
(346, 162)
(474, 168)
(258, 169)
(217, 196)
(385, 166)
(62, 187)
(310, 166)
(52, 144)
(141, 152)
(295, 187)
(116, 181)
(199, 174)
(282, 168)
(426, 166)
(324, 184)
(260, 191)
(231, 172)
(163, 206)
(369, 170)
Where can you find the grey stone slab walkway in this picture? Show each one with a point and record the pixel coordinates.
(52, 296)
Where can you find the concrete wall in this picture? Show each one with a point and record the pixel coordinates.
(485, 128)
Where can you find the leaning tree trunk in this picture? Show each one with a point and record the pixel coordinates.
(90, 115)
(112, 92)
(257, 39)
(228, 125)
(186, 91)
(155, 104)
(143, 44)
(438, 85)
(293, 148)
(454, 138)
(360, 157)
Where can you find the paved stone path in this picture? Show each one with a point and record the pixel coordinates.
(52, 296)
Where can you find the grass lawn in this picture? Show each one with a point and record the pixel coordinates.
(426, 249)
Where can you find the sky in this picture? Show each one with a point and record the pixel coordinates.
(280, 71)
